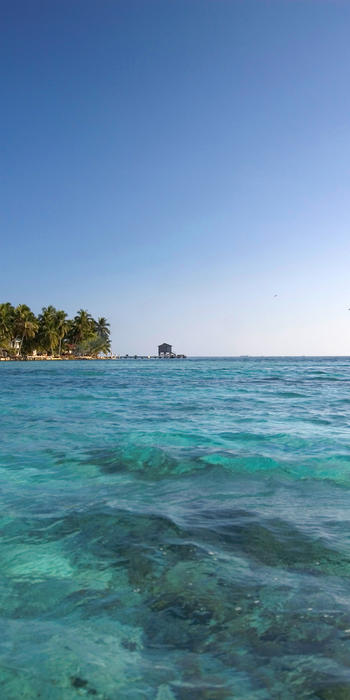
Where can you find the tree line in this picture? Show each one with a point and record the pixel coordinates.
(52, 332)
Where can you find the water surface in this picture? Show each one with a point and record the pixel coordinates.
(175, 530)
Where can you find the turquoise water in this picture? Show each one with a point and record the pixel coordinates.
(175, 529)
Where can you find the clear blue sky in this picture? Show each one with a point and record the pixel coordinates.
(174, 164)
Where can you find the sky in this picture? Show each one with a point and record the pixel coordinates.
(182, 168)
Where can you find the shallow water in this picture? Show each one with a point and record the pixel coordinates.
(175, 529)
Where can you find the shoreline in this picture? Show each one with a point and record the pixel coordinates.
(87, 358)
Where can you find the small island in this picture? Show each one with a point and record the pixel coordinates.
(51, 334)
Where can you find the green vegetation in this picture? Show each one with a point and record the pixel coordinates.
(51, 332)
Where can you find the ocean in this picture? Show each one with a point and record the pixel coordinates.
(175, 530)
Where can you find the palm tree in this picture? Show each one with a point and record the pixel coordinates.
(25, 324)
(62, 325)
(104, 346)
(102, 328)
(93, 346)
(48, 332)
(83, 326)
(7, 317)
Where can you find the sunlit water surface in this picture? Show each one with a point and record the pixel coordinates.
(175, 529)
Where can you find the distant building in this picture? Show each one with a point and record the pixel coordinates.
(165, 350)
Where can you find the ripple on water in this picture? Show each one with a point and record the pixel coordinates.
(151, 548)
